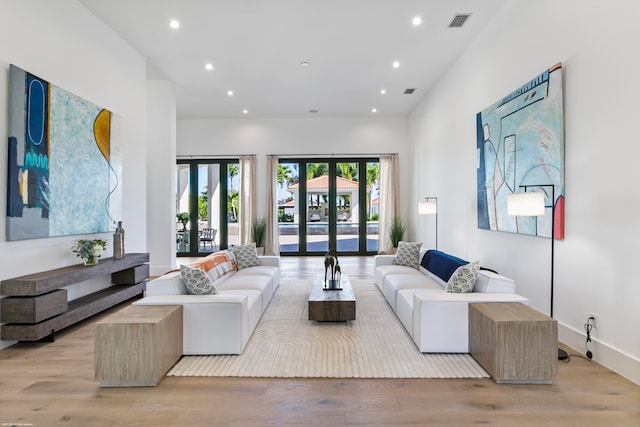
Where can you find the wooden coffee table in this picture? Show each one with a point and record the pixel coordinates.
(332, 305)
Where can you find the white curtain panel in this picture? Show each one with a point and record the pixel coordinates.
(247, 204)
(272, 243)
(389, 199)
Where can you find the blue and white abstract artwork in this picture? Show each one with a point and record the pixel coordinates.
(64, 162)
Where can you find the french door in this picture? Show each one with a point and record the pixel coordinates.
(333, 207)
(206, 206)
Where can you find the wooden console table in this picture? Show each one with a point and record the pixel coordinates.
(513, 342)
(35, 307)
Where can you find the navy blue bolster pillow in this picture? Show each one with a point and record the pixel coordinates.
(441, 264)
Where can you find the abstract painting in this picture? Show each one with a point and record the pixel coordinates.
(520, 142)
(65, 162)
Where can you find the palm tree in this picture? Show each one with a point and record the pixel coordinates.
(347, 170)
(233, 169)
(315, 170)
(373, 173)
(284, 174)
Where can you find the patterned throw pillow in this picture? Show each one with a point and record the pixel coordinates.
(196, 281)
(408, 254)
(246, 256)
(464, 278)
(216, 264)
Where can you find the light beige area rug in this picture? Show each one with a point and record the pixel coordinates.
(287, 345)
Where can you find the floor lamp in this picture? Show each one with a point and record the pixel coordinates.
(429, 206)
(532, 204)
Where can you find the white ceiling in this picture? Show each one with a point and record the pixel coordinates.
(256, 47)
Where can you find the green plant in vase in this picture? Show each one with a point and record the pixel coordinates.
(396, 232)
(89, 250)
(258, 233)
(183, 218)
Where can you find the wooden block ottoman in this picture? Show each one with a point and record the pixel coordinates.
(513, 342)
(138, 345)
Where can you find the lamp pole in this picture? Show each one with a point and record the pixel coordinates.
(553, 229)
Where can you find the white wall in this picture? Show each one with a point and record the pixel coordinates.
(292, 137)
(595, 265)
(62, 42)
(315, 136)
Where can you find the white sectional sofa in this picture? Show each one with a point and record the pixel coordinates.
(221, 323)
(436, 320)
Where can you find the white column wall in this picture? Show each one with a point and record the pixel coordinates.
(595, 264)
(65, 44)
(161, 197)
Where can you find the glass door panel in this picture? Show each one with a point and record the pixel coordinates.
(347, 207)
(288, 207)
(317, 207)
(208, 207)
(183, 217)
(373, 205)
(233, 198)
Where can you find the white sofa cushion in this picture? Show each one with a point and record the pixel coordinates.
(386, 270)
(396, 282)
(261, 284)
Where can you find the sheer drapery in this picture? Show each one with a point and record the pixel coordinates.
(272, 243)
(389, 199)
(247, 204)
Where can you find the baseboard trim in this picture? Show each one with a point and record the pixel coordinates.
(612, 358)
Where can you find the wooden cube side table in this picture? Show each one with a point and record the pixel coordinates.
(513, 342)
(138, 345)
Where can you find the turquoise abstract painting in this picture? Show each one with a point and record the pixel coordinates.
(520, 142)
(64, 162)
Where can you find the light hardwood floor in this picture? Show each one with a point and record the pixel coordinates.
(52, 384)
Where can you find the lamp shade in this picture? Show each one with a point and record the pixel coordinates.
(428, 207)
(526, 204)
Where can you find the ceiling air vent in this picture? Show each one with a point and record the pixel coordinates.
(409, 91)
(459, 20)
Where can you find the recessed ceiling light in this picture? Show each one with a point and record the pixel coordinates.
(304, 64)
(417, 20)
(230, 92)
(208, 66)
(396, 64)
(174, 23)
(245, 111)
(374, 110)
(383, 91)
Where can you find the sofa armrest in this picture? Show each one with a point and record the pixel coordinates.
(441, 319)
(270, 260)
(212, 324)
(490, 282)
(168, 284)
(379, 260)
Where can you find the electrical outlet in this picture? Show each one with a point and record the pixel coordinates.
(594, 321)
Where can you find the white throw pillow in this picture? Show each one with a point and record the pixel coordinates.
(197, 281)
(408, 254)
(246, 256)
(464, 278)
